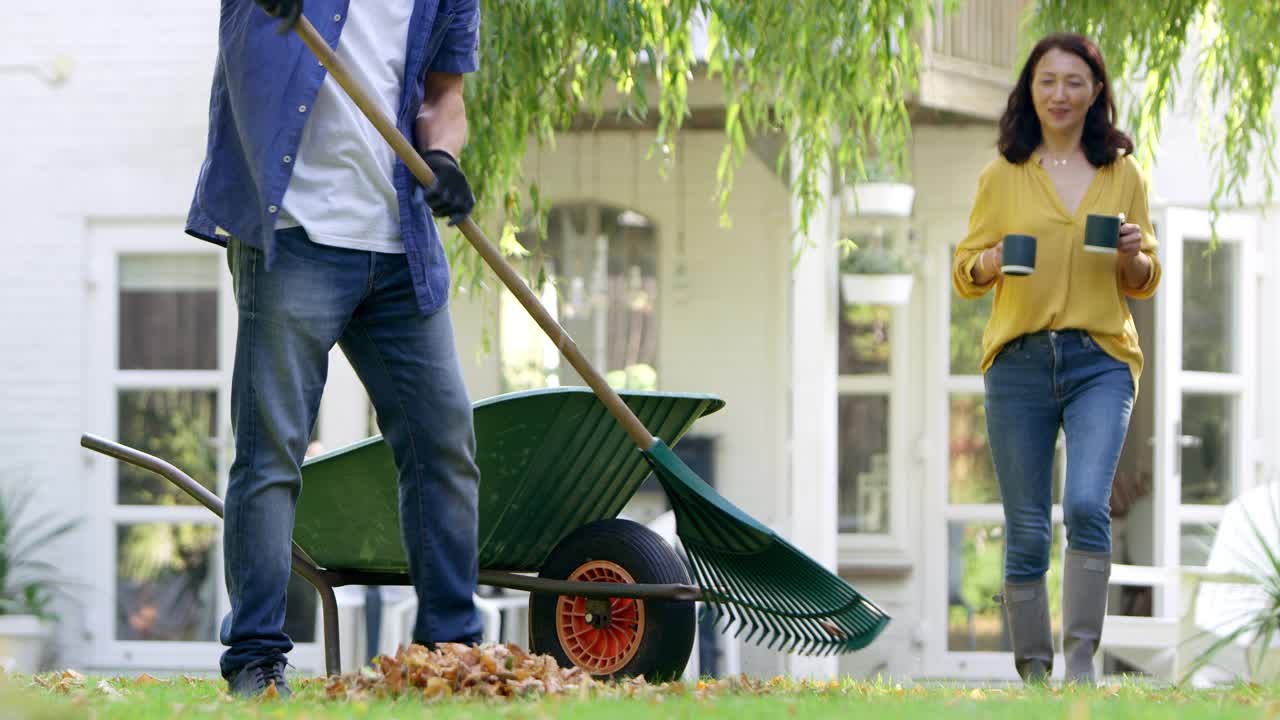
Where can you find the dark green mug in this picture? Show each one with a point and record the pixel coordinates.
(1019, 255)
(1102, 233)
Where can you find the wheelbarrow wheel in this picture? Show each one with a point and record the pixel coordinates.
(614, 637)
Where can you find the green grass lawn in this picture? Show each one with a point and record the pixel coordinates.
(169, 699)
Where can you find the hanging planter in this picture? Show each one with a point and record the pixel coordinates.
(867, 289)
(879, 198)
(875, 275)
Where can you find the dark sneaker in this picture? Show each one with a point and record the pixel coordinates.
(258, 677)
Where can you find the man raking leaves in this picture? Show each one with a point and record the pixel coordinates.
(329, 241)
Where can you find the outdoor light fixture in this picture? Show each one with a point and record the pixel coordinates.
(54, 72)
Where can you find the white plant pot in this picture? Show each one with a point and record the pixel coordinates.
(890, 199)
(876, 289)
(23, 640)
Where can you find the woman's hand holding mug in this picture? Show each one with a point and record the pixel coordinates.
(988, 266)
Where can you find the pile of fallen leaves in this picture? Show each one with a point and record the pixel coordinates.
(455, 670)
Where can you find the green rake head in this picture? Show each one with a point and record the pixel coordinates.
(755, 579)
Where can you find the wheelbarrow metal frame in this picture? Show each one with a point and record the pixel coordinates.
(325, 580)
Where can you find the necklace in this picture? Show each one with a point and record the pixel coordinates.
(1055, 162)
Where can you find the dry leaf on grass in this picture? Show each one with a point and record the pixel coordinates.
(453, 669)
(64, 682)
(270, 694)
(105, 688)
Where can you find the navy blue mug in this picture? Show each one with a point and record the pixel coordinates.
(1102, 233)
(1019, 255)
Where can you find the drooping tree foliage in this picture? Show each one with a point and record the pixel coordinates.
(1234, 48)
(831, 76)
(814, 70)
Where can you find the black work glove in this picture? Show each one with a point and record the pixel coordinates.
(451, 194)
(287, 10)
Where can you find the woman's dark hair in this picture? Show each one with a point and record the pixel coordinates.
(1020, 128)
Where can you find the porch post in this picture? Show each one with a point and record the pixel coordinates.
(812, 316)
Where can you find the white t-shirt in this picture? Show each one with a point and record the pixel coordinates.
(341, 190)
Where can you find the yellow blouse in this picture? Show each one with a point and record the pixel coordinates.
(1070, 288)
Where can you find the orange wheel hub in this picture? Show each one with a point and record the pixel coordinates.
(600, 635)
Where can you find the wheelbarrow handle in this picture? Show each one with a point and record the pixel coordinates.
(488, 251)
(164, 469)
(201, 494)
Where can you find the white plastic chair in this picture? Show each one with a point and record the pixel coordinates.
(504, 618)
(1209, 603)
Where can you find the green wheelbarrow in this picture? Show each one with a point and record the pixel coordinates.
(609, 595)
(555, 474)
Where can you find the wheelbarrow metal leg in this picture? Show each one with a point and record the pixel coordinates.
(332, 649)
(305, 567)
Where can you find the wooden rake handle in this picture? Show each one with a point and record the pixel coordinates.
(488, 251)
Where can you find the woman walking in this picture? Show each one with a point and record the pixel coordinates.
(1060, 350)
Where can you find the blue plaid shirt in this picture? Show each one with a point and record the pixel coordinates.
(263, 87)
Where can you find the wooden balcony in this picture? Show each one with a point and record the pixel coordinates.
(970, 57)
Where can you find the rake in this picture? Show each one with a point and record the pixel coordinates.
(750, 576)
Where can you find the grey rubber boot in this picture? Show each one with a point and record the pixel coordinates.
(1026, 610)
(1084, 605)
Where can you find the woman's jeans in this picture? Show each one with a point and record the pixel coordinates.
(1038, 383)
(314, 297)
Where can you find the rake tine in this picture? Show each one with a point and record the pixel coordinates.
(745, 616)
(794, 626)
(712, 580)
(735, 584)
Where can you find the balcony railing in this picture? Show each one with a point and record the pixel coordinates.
(970, 56)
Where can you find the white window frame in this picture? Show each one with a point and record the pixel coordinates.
(885, 551)
(1241, 229)
(109, 240)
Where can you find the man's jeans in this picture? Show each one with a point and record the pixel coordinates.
(289, 319)
(1038, 383)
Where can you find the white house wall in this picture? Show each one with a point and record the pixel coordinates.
(122, 138)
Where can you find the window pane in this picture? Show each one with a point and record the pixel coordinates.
(864, 339)
(968, 320)
(864, 464)
(168, 312)
(1207, 449)
(975, 573)
(1208, 306)
(175, 425)
(166, 581)
(1196, 541)
(601, 264)
(972, 476)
